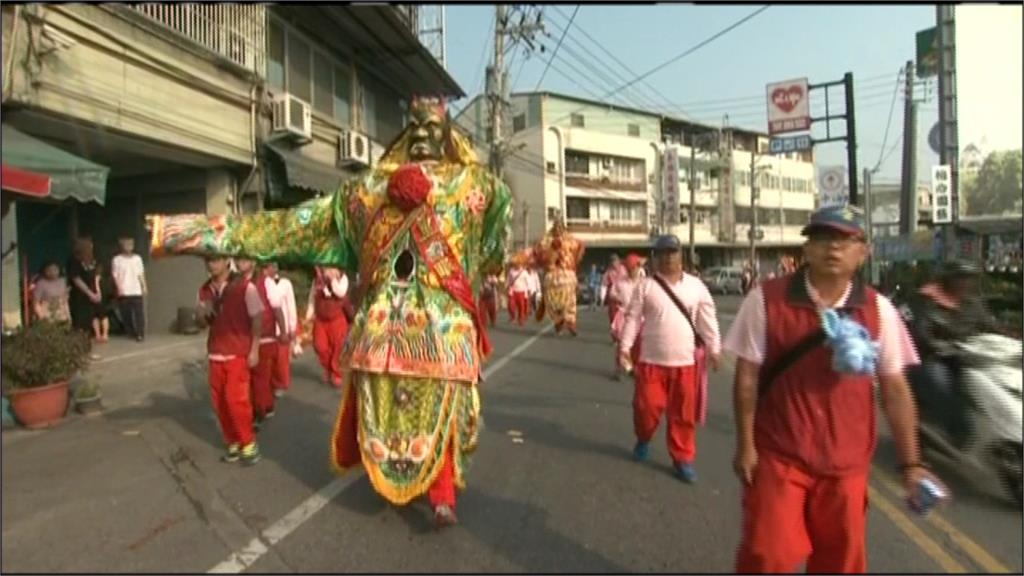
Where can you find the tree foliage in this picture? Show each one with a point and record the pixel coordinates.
(996, 188)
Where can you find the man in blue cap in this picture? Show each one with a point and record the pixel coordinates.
(805, 433)
(672, 314)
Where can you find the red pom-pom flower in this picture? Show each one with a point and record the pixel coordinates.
(409, 187)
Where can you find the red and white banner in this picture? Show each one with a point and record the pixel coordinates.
(789, 107)
(24, 181)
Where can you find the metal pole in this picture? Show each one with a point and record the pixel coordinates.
(754, 193)
(851, 138)
(693, 247)
(870, 232)
(497, 74)
(908, 188)
(949, 150)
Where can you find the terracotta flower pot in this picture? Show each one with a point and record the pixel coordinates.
(40, 407)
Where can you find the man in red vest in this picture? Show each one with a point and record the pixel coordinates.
(272, 324)
(330, 310)
(232, 308)
(806, 433)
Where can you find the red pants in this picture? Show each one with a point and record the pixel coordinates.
(442, 491)
(282, 379)
(262, 374)
(229, 391)
(489, 305)
(790, 515)
(518, 307)
(661, 388)
(328, 340)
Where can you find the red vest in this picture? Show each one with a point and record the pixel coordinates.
(230, 331)
(268, 325)
(326, 308)
(811, 415)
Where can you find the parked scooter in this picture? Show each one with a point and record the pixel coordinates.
(991, 375)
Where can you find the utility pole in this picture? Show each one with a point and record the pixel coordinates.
(693, 208)
(908, 187)
(870, 232)
(755, 192)
(496, 88)
(851, 137)
(949, 148)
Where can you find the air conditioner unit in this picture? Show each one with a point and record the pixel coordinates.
(606, 162)
(353, 148)
(290, 117)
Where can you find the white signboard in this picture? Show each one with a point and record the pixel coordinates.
(789, 107)
(832, 186)
(942, 195)
(671, 186)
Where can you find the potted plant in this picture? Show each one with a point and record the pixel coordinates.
(88, 399)
(37, 363)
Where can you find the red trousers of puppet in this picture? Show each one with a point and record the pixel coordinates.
(518, 307)
(489, 305)
(230, 393)
(671, 390)
(282, 379)
(346, 451)
(262, 375)
(790, 516)
(328, 340)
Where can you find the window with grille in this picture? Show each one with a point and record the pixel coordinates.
(633, 130)
(519, 123)
(577, 208)
(576, 121)
(576, 163)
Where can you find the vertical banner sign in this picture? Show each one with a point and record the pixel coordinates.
(789, 107)
(671, 183)
(942, 197)
(832, 186)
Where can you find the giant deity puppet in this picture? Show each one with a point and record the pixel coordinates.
(422, 228)
(559, 254)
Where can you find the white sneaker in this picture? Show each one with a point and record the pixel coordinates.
(278, 393)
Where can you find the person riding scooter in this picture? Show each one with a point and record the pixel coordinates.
(945, 313)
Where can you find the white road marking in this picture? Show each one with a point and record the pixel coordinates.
(279, 530)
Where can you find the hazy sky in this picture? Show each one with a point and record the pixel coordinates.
(728, 76)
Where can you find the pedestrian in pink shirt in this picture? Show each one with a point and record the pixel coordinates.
(674, 315)
(622, 291)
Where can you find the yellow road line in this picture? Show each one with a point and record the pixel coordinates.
(978, 554)
(922, 540)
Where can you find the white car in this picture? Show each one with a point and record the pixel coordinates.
(724, 280)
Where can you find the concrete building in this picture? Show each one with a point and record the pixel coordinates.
(602, 166)
(885, 209)
(211, 108)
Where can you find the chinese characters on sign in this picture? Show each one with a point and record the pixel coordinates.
(942, 198)
(832, 185)
(789, 108)
(671, 186)
(790, 144)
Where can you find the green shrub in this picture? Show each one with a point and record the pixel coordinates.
(43, 354)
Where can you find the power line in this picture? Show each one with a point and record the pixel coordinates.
(559, 45)
(888, 123)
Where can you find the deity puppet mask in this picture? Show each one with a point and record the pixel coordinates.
(428, 124)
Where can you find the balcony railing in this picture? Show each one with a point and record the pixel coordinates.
(604, 182)
(236, 32)
(605, 226)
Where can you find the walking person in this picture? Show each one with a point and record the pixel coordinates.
(272, 332)
(623, 291)
(328, 298)
(518, 292)
(489, 298)
(613, 274)
(674, 315)
(594, 285)
(804, 411)
(231, 306)
(281, 379)
(129, 275)
(533, 290)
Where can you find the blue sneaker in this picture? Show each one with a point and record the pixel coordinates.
(640, 452)
(686, 472)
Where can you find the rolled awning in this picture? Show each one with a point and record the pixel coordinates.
(289, 169)
(27, 161)
(605, 194)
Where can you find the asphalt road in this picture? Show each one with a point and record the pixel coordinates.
(551, 489)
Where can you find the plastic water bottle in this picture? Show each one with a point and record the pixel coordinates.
(929, 494)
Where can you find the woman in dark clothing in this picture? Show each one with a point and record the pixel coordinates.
(87, 311)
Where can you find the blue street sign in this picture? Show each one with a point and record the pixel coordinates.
(790, 144)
